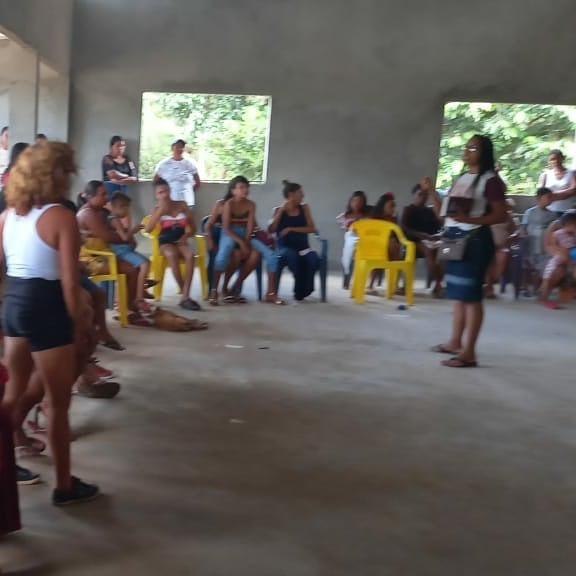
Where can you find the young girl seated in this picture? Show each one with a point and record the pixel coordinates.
(385, 209)
(357, 209)
(561, 266)
(126, 250)
(238, 228)
(176, 227)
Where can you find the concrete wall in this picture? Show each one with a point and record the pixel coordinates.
(358, 88)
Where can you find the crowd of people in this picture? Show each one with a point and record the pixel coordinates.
(47, 279)
(42, 233)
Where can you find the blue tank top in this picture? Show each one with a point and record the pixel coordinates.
(293, 240)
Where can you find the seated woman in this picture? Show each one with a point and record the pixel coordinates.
(94, 223)
(356, 210)
(214, 224)
(560, 241)
(420, 224)
(385, 209)
(176, 227)
(238, 226)
(292, 223)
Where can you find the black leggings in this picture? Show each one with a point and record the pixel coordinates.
(35, 309)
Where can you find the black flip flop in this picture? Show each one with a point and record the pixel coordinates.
(112, 345)
(459, 363)
(441, 349)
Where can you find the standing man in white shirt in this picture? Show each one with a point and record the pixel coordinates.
(4, 150)
(181, 174)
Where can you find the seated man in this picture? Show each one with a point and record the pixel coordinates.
(420, 223)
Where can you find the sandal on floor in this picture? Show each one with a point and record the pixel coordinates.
(30, 447)
(551, 305)
(459, 363)
(441, 349)
(190, 304)
(239, 299)
(112, 344)
(34, 423)
(229, 299)
(213, 299)
(135, 319)
(272, 298)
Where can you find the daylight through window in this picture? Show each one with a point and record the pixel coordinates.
(226, 135)
(523, 135)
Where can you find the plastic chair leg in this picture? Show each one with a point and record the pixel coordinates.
(409, 285)
(159, 277)
(391, 283)
(360, 277)
(122, 300)
(203, 277)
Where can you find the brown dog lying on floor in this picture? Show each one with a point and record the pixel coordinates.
(166, 320)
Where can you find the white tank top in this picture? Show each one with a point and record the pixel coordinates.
(26, 254)
(554, 183)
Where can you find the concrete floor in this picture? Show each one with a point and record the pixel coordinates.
(341, 449)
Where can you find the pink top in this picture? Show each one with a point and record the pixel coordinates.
(178, 221)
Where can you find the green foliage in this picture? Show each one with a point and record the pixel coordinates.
(227, 134)
(523, 135)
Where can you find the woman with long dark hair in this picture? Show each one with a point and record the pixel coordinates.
(292, 223)
(213, 231)
(475, 202)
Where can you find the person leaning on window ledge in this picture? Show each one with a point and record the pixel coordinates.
(181, 174)
(475, 202)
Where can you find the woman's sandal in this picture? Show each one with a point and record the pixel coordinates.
(459, 363)
(112, 344)
(34, 424)
(272, 298)
(213, 299)
(190, 304)
(441, 349)
(30, 447)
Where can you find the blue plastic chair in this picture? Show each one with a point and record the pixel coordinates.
(216, 231)
(323, 267)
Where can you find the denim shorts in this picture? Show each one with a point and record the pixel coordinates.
(126, 253)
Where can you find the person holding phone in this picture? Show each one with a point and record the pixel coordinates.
(475, 202)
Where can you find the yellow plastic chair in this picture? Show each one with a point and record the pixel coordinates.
(159, 263)
(372, 254)
(94, 247)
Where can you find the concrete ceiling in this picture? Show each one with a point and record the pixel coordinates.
(17, 65)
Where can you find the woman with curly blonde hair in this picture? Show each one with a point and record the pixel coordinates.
(41, 313)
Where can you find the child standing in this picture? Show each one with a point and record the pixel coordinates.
(126, 251)
(535, 222)
(561, 266)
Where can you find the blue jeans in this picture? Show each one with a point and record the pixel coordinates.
(227, 245)
(126, 253)
(303, 269)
